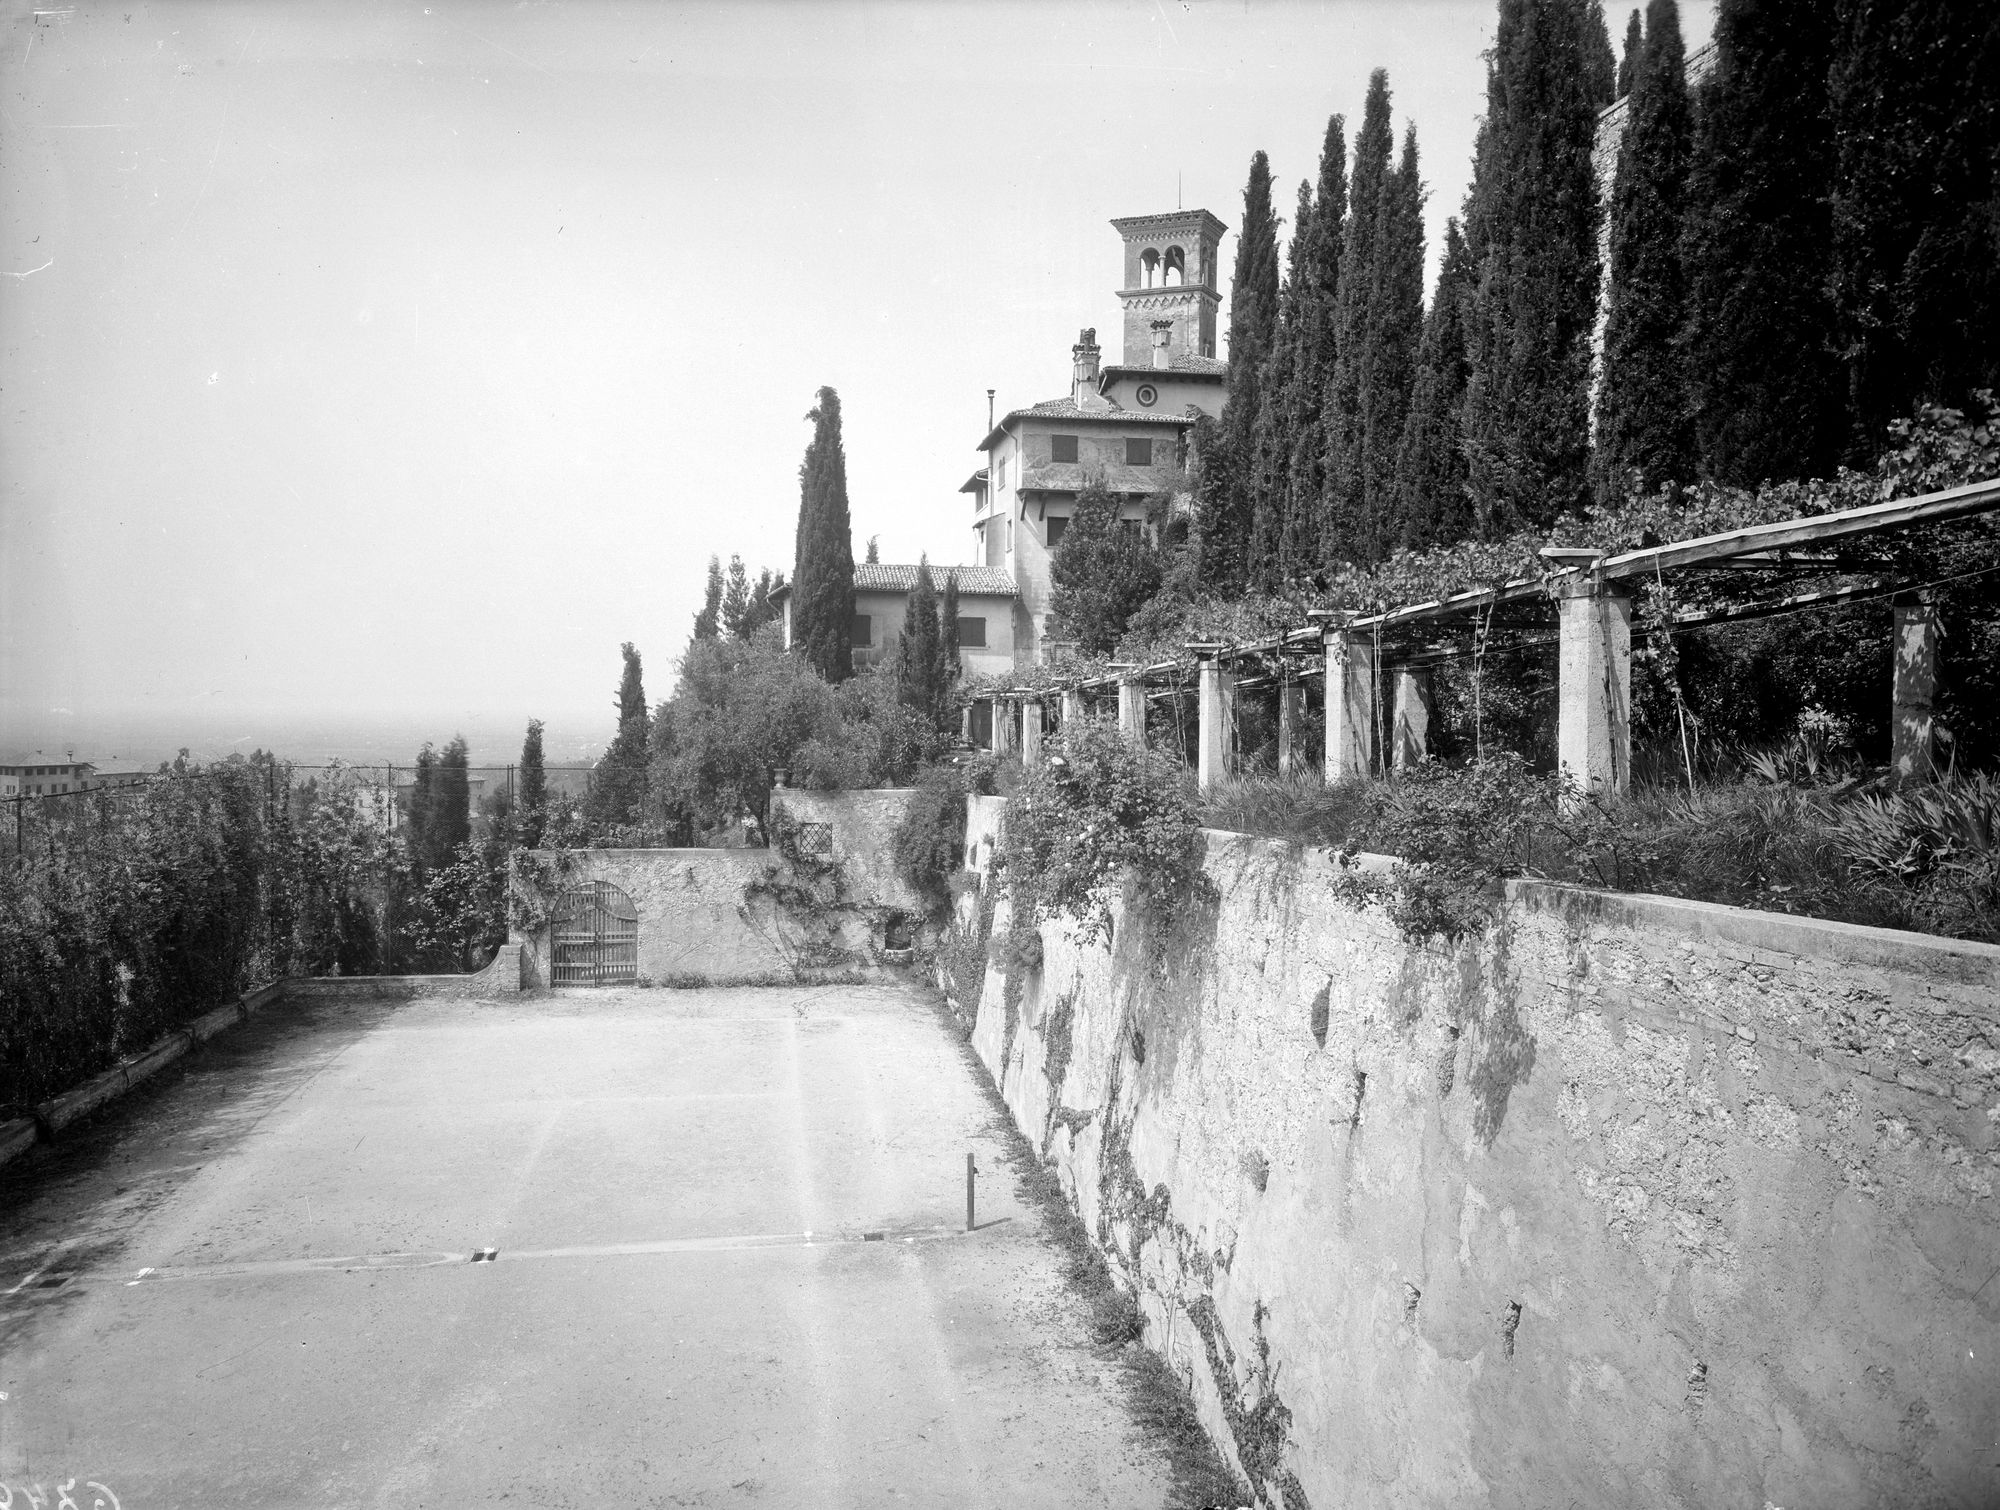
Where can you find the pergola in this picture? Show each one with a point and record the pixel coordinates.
(1377, 667)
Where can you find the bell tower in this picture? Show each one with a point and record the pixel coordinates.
(1170, 276)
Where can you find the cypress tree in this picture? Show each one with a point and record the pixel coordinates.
(1628, 61)
(1763, 379)
(534, 787)
(1431, 503)
(736, 598)
(1395, 329)
(1915, 104)
(707, 623)
(1344, 534)
(453, 787)
(948, 624)
(1102, 573)
(923, 682)
(823, 570)
(422, 839)
(1643, 432)
(618, 785)
(1253, 315)
(1317, 277)
(1600, 67)
(1278, 392)
(1531, 230)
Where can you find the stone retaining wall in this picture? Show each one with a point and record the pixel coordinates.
(1630, 1201)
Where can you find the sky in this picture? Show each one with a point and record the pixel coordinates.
(372, 371)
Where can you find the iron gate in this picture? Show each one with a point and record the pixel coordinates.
(594, 937)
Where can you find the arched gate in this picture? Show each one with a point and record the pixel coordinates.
(594, 937)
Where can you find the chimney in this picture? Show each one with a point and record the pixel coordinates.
(1085, 355)
(1163, 335)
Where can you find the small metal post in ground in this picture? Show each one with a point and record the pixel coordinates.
(971, 1174)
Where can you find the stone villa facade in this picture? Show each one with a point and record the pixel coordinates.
(1127, 424)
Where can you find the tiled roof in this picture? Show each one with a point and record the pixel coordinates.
(1182, 362)
(975, 482)
(1101, 411)
(986, 581)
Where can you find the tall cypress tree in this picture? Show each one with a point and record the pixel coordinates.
(618, 784)
(708, 623)
(1317, 277)
(1643, 430)
(534, 805)
(453, 824)
(1431, 503)
(823, 570)
(1628, 61)
(421, 836)
(948, 625)
(1915, 106)
(1600, 65)
(1344, 531)
(1229, 503)
(1395, 329)
(1278, 393)
(1531, 229)
(1763, 377)
(736, 598)
(923, 678)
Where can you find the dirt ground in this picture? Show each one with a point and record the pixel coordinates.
(731, 1269)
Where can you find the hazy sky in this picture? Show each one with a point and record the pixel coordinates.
(400, 360)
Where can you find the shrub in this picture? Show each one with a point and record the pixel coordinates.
(929, 843)
(1095, 813)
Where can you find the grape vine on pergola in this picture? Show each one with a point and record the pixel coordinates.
(1581, 604)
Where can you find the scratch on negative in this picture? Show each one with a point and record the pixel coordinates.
(31, 271)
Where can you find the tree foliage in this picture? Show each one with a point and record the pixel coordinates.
(925, 675)
(1431, 503)
(532, 812)
(1228, 504)
(1644, 438)
(823, 568)
(618, 780)
(1102, 571)
(1531, 232)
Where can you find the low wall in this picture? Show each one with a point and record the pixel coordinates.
(864, 827)
(1629, 1201)
(692, 919)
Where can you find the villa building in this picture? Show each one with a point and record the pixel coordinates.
(1127, 426)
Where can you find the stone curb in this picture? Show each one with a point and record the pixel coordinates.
(58, 1112)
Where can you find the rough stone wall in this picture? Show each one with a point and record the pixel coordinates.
(1631, 1201)
(692, 918)
(864, 830)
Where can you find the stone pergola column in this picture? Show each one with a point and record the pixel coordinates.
(1132, 706)
(1003, 725)
(1216, 708)
(1914, 689)
(1072, 708)
(1409, 736)
(965, 723)
(1291, 726)
(1594, 686)
(1350, 703)
(1031, 731)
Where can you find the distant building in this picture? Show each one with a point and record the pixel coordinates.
(987, 626)
(36, 775)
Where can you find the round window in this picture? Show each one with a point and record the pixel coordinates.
(1147, 395)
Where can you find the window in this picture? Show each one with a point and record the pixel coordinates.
(1062, 448)
(1058, 524)
(1000, 473)
(1147, 395)
(864, 630)
(971, 633)
(1138, 453)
